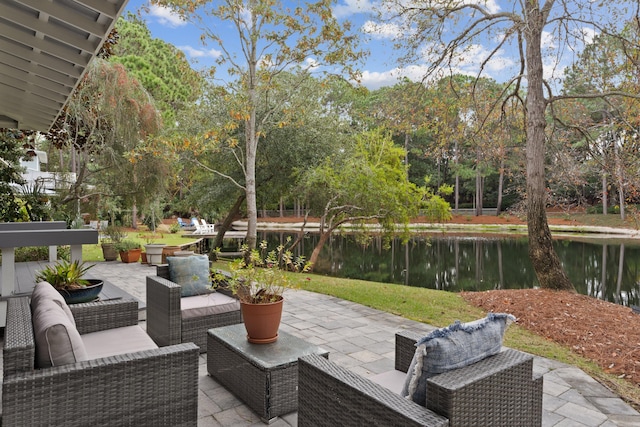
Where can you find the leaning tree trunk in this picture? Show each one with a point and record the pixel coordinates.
(226, 223)
(543, 256)
(316, 251)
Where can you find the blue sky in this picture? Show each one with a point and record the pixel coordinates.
(380, 68)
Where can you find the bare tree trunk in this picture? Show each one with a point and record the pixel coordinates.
(603, 280)
(621, 200)
(406, 152)
(500, 187)
(457, 197)
(604, 194)
(543, 256)
(479, 193)
(457, 189)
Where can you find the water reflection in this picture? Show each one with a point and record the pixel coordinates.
(605, 270)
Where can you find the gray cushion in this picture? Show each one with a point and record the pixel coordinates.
(453, 347)
(207, 305)
(57, 339)
(191, 273)
(45, 291)
(112, 342)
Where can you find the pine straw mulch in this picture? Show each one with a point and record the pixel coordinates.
(604, 332)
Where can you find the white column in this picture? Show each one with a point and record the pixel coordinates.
(8, 271)
(76, 253)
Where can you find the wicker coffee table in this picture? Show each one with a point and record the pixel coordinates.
(264, 376)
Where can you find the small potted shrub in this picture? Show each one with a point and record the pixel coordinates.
(129, 250)
(112, 236)
(259, 284)
(68, 278)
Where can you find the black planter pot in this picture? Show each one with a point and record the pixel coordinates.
(87, 294)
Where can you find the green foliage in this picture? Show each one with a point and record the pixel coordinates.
(10, 154)
(159, 66)
(40, 253)
(366, 182)
(114, 234)
(65, 274)
(276, 38)
(259, 276)
(127, 245)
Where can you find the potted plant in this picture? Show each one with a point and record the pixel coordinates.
(259, 281)
(112, 236)
(129, 250)
(68, 278)
(152, 250)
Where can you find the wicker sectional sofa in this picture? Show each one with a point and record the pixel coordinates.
(156, 386)
(497, 391)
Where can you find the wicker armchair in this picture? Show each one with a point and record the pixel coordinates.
(497, 391)
(152, 387)
(167, 325)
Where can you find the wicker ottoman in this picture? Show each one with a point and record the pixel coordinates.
(264, 376)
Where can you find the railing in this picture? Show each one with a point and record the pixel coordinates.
(22, 234)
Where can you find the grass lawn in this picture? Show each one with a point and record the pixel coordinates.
(94, 252)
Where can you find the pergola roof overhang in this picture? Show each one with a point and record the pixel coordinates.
(45, 48)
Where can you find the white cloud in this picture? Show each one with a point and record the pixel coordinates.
(192, 52)
(375, 80)
(382, 30)
(547, 41)
(491, 5)
(311, 64)
(588, 34)
(351, 7)
(166, 17)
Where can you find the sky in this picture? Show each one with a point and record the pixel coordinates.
(381, 67)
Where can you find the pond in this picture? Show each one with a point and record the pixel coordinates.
(605, 269)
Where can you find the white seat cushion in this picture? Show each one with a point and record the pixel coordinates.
(206, 305)
(392, 380)
(112, 342)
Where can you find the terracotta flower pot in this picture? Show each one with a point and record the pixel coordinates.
(262, 321)
(132, 255)
(169, 251)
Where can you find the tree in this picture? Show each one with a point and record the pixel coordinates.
(604, 130)
(106, 118)
(447, 30)
(272, 38)
(289, 145)
(10, 173)
(365, 184)
(160, 67)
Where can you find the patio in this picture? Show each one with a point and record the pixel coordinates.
(362, 339)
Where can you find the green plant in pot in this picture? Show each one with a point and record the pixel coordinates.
(129, 250)
(112, 236)
(259, 285)
(68, 279)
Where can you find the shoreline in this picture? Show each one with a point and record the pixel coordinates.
(557, 230)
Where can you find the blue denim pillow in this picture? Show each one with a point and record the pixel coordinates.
(453, 347)
(191, 273)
